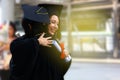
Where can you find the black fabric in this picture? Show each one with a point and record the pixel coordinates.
(30, 61)
(4, 74)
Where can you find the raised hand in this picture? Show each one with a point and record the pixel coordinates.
(45, 41)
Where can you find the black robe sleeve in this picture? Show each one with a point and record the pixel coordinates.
(65, 66)
(24, 52)
(30, 61)
(24, 44)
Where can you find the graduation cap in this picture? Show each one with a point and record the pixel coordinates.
(52, 9)
(35, 13)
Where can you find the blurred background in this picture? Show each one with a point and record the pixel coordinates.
(90, 31)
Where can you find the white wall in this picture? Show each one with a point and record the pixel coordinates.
(7, 10)
(0, 15)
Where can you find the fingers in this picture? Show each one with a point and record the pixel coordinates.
(48, 37)
(50, 41)
(48, 46)
(45, 41)
(66, 52)
(42, 35)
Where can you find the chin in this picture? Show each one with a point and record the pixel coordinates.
(52, 34)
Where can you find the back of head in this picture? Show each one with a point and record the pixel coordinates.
(35, 20)
(33, 28)
(12, 24)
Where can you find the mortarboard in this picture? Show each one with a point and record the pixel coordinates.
(35, 13)
(52, 9)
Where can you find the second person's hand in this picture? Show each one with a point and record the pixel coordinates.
(44, 41)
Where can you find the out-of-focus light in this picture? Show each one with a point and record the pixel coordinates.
(18, 1)
(0, 15)
(53, 0)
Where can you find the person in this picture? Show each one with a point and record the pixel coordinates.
(54, 11)
(11, 37)
(33, 55)
(6, 48)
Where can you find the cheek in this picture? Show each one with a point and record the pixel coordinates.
(50, 27)
(10, 31)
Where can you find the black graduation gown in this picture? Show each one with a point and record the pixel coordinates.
(31, 61)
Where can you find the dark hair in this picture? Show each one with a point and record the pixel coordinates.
(36, 27)
(58, 33)
(12, 24)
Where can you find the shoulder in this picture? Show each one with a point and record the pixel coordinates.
(17, 40)
(24, 42)
(15, 43)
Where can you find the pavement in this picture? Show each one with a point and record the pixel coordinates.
(94, 69)
(107, 60)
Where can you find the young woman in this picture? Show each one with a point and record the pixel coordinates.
(59, 65)
(6, 48)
